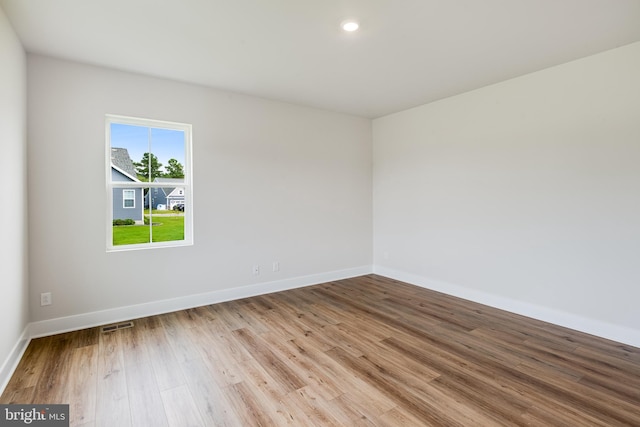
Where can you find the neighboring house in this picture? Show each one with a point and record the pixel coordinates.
(127, 202)
(169, 197)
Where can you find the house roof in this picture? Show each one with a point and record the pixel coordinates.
(168, 191)
(121, 160)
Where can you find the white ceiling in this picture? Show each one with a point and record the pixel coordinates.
(407, 52)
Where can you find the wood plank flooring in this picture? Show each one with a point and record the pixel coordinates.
(368, 351)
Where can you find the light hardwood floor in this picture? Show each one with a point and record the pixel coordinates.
(367, 351)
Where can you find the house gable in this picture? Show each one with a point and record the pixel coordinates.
(168, 196)
(123, 170)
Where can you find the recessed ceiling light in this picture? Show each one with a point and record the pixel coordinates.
(350, 25)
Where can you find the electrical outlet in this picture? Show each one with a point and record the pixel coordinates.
(45, 299)
(256, 269)
(276, 266)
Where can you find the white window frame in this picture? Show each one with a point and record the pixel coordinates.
(124, 199)
(188, 184)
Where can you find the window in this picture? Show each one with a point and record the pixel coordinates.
(148, 163)
(128, 198)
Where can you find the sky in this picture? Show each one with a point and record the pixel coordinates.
(165, 144)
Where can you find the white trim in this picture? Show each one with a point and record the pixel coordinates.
(11, 362)
(88, 320)
(132, 178)
(187, 182)
(599, 328)
(140, 184)
(97, 318)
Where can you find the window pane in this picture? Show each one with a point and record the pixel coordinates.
(128, 145)
(168, 224)
(167, 145)
(128, 221)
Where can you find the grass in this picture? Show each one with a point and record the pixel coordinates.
(165, 229)
(165, 212)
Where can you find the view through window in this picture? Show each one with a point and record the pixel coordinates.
(149, 183)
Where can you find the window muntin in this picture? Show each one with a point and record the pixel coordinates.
(138, 153)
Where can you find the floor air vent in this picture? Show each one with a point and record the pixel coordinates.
(115, 327)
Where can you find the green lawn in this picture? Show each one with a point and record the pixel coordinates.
(168, 228)
(165, 212)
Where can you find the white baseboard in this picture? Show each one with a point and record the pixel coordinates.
(11, 363)
(97, 318)
(606, 330)
(87, 320)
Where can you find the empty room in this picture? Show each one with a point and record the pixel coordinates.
(320, 213)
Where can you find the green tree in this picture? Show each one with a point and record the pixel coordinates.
(148, 169)
(174, 169)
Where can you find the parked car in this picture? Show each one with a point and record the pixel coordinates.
(178, 207)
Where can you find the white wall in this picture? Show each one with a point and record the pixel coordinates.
(272, 182)
(13, 213)
(524, 194)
